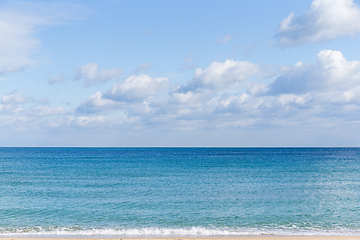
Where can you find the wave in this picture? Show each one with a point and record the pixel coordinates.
(174, 232)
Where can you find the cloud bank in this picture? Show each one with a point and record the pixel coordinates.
(225, 95)
(303, 92)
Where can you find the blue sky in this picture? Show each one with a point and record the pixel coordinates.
(180, 73)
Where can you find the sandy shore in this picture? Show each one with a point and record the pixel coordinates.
(197, 238)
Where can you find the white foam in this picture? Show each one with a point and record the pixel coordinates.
(172, 232)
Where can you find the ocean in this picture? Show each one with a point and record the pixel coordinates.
(143, 192)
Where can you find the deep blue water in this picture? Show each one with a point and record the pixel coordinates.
(179, 191)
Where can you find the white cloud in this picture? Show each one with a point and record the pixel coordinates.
(256, 88)
(243, 104)
(331, 72)
(222, 75)
(137, 88)
(6, 70)
(326, 20)
(292, 98)
(58, 79)
(22, 113)
(90, 74)
(305, 89)
(19, 23)
(95, 103)
(17, 98)
(179, 98)
(225, 39)
(46, 111)
(17, 40)
(303, 92)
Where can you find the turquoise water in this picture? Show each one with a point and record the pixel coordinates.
(179, 191)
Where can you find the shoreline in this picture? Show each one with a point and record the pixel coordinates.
(268, 237)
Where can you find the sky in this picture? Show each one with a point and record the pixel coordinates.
(180, 73)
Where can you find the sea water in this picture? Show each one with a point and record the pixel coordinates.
(179, 191)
